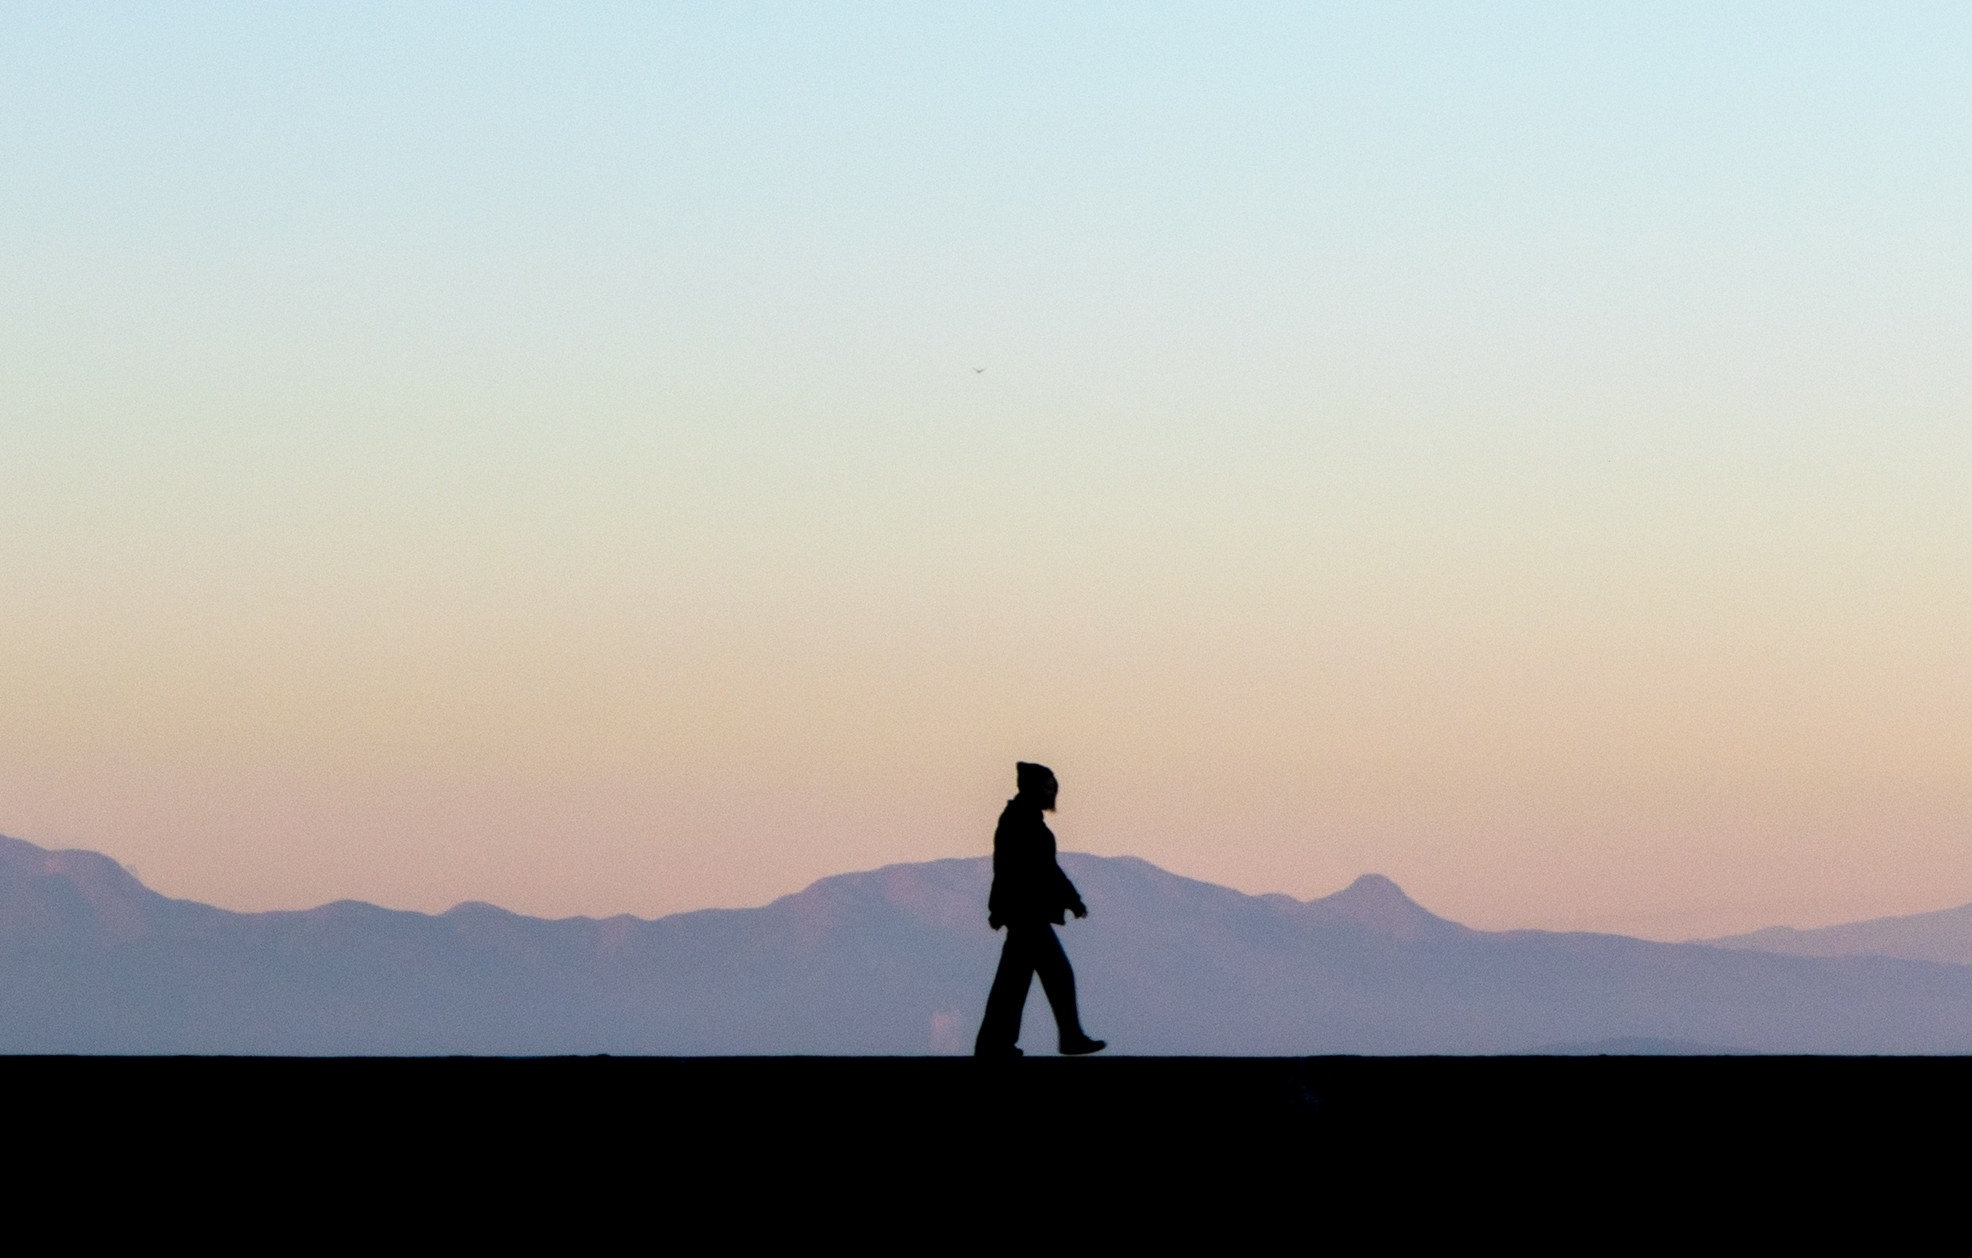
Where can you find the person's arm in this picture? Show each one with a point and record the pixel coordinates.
(1071, 899)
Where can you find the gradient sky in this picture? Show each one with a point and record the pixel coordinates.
(535, 453)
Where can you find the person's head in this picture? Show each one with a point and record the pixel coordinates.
(1037, 784)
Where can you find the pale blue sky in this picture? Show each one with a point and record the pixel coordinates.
(1368, 388)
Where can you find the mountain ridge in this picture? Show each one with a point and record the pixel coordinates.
(1941, 935)
(897, 960)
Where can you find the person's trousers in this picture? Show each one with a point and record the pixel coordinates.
(1031, 948)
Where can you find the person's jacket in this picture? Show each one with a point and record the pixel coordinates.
(1028, 886)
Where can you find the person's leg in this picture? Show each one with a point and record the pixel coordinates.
(999, 1030)
(1058, 981)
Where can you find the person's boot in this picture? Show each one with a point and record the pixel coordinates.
(1082, 1045)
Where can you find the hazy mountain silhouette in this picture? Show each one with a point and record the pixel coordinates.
(1944, 935)
(897, 960)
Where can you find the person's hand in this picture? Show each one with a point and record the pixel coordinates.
(1079, 909)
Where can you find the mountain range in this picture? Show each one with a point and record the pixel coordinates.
(1944, 935)
(897, 961)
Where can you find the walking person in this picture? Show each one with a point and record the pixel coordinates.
(1030, 897)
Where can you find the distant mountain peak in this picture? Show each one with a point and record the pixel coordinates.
(1380, 904)
(478, 908)
(87, 890)
(1375, 888)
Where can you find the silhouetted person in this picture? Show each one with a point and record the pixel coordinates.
(1030, 897)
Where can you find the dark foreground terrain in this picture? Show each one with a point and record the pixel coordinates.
(471, 1144)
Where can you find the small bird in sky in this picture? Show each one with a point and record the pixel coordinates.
(978, 371)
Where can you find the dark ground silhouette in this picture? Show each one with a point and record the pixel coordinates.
(1321, 1150)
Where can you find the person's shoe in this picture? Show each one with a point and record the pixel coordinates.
(1008, 1051)
(1083, 1046)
